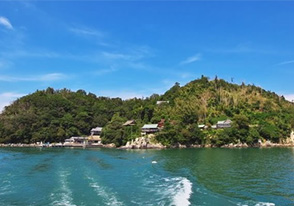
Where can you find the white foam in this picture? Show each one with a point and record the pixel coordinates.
(173, 191)
(108, 196)
(257, 204)
(6, 188)
(183, 192)
(265, 204)
(65, 198)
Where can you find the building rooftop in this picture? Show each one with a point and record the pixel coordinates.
(96, 129)
(77, 138)
(150, 126)
(228, 121)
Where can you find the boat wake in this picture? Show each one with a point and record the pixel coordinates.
(265, 204)
(108, 196)
(170, 191)
(183, 191)
(249, 203)
(64, 195)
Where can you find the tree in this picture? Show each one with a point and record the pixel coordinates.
(53, 115)
(253, 136)
(192, 135)
(241, 122)
(113, 132)
(170, 135)
(269, 131)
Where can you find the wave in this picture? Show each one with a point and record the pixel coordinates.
(183, 192)
(256, 203)
(6, 187)
(108, 196)
(265, 204)
(64, 196)
(174, 191)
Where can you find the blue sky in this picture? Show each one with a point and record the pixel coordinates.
(137, 48)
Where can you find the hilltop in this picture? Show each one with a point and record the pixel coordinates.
(54, 115)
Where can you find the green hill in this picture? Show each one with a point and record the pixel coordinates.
(54, 115)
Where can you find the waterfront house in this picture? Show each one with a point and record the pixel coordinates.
(96, 131)
(149, 129)
(94, 140)
(75, 141)
(224, 124)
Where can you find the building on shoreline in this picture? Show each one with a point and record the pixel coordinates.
(74, 141)
(149, 129)
(96, 131)
(219, 125)
(224, 124)
(95, 138)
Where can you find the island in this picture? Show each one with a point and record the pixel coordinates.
(203, 113)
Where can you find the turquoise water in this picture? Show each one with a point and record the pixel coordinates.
(146, 177)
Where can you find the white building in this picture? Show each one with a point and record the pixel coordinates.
(224, 124)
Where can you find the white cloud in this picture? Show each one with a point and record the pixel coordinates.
(2, 64)
(289, 97)
(122, 94)
(87, 32)
(246, 47)
(94, 35)
(191, 59)
(113, 56)
(5, 22)
(7, 98)
(52, 77)
(105, 71)
(285, 62)
(130, 94)
(186, 75)
(37, 78)
(130, 54)
(37, 54)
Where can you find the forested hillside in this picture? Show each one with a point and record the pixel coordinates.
(53, 115)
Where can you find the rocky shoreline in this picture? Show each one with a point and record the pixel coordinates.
(152, 146)
(150, 143)
(143, 143)
(55, 145)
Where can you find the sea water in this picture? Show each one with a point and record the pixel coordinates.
(77, 177)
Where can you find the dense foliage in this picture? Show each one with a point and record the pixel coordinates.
(53, 115)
